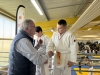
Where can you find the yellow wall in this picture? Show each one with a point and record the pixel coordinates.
(47, 25)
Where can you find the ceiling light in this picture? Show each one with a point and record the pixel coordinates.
(89, 29)
(37, 7)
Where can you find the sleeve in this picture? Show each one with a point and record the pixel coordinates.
(25, 47)
(73, 48)
(42, 50)
(50, 46)
(46, 42)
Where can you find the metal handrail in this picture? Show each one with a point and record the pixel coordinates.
(89, 54)
(84, 71)
(4, 52)
(80, 70)
(4, 66)
(90, 60)
(87, 65)
(3, 61)
(3, 57)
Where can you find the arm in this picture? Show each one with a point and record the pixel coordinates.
(25, 47)
(46, 40)
(42, 49)
(50, 46)
(73, 48)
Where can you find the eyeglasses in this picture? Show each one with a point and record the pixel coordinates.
(32, 26)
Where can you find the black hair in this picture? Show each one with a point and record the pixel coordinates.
(38, 29)
(62, 22)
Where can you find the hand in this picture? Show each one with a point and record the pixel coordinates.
(46, 62)
(58, 53)
(40, 42)
(70, 64)
(50, 53)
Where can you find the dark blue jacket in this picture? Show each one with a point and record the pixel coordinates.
(18, 64)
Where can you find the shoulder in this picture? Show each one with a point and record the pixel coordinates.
(55, 33)
(23, 40)
(45, 36)
(69, 33)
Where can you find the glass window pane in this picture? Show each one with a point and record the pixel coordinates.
(7, 28)
(13, 30)
(0, 45)
(1, 27)
(6, 45)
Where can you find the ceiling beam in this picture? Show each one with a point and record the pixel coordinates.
(89, 14)
(80, 7)
(38, 1)
(7, 14)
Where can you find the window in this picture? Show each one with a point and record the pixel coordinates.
(7, 33)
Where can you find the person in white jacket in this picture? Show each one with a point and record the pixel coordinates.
(40, 37)
(65, 45)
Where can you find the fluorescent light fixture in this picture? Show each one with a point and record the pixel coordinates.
(37, 7)
(89, 28)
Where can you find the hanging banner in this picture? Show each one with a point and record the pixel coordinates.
(20, 15)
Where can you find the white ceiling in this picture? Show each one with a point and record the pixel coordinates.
(54, 10)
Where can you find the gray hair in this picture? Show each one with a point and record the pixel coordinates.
(25, 24)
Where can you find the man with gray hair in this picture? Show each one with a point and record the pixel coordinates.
(23, 56)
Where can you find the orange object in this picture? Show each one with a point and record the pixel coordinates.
(58, 57)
